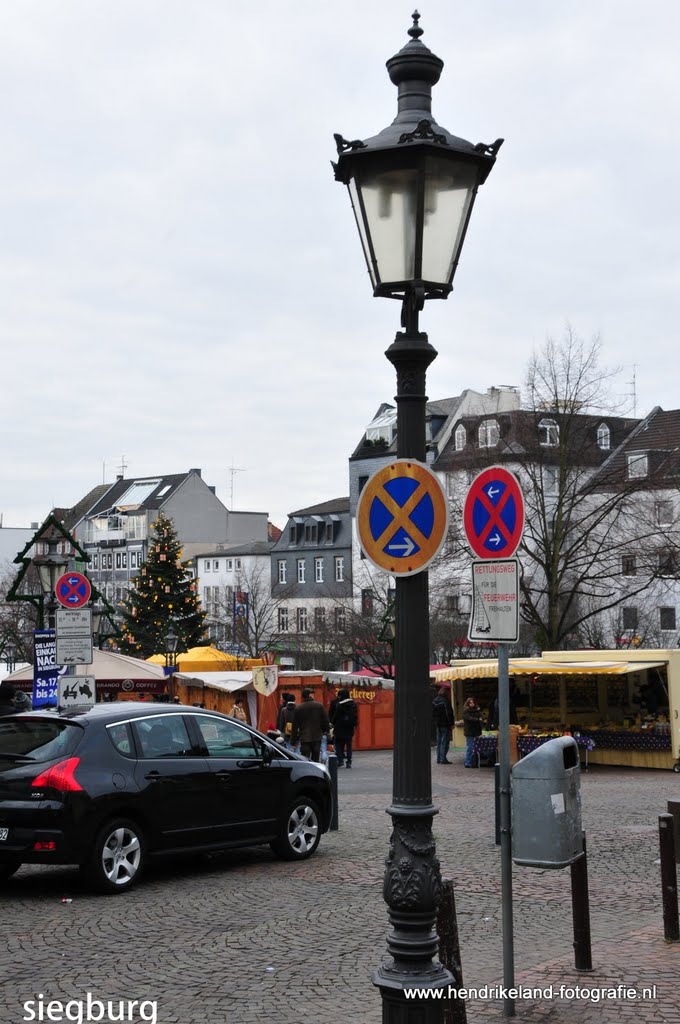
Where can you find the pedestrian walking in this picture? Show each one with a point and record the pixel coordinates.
(344, 717)
(310, 724)
(442, 713)
(472, 728)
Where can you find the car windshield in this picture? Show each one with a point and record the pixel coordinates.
(37, 739)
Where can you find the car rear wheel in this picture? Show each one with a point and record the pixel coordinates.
(117, 857)
(8, 868)
(300, 832)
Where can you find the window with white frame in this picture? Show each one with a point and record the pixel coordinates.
(339, 569)
(604, 437)
(667, 563)
(283, 620)
(282, 570)
(216, 565)
(488, 434)
(460, 437)
(301, 620)
(667, 618)
(118, 560)
(628, 565)
(206, 565)
(124, 559)
(637, 466)
(551, 479)
(340, 620)
(319, 619)
(301, 570)
(237, 563)
(664, 513)
(318, 570)
(230, 564)
(548, 433)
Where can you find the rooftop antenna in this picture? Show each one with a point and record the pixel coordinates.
(232, 471)
(123, 466)
(633, 391)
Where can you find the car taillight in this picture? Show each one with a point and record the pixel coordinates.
(60, 777)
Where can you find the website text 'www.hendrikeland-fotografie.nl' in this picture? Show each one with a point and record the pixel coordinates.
(42, 1008)
(589, 993)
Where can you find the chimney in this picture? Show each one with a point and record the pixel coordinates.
(196, 471)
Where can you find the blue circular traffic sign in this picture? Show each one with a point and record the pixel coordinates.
(73, 590)
(402, 517)
(493, 514)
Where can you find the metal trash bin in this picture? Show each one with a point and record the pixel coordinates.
(546, 806)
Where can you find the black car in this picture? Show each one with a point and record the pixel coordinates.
(109, 787)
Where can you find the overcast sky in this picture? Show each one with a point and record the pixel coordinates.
(180, 278)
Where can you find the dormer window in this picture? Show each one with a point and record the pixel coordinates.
(548, 433)
(460, 437)
(603, 437)
(637, 466)
(488, 434)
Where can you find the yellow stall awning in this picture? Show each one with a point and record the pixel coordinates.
(488, 669)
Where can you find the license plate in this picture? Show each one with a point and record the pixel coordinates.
(4, 833)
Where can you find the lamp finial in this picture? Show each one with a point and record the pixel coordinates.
(415, 31)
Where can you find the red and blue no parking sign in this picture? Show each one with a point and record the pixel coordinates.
(493, 514)
(73, 590)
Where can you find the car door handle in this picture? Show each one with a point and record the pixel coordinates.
(224, 776)
(158, 777)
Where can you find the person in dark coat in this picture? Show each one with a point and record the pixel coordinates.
(344, 717)
(7, 695)
(442, 713)
(472, 728)
(310, 724)
(285, 719)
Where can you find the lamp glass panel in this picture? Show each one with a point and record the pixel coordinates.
(390, 204)
(359, 217)
(45, 578)
(449, 192)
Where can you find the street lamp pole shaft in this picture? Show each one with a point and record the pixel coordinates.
(412, 883)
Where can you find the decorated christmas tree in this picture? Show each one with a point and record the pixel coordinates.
(162, 597)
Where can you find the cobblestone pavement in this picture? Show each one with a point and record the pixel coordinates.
(243, 937)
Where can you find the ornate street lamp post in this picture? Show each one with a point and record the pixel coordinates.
(51, 564)
(171, 642)
(10, 654)
(412, 188)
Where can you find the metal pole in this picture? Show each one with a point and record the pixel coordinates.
(673, 807)
(497, 800)
(449, 951)
(412, 882)
(580, 909)
(333, 772)
(506, 826)
(669, 879)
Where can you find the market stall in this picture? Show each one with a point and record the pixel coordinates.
(117, 677)
(621, 706)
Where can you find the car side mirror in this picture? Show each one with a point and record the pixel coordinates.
(267, 755)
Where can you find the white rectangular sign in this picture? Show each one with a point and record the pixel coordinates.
(74, 650)
(74, 622)
(76, 692)
(495, 600)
